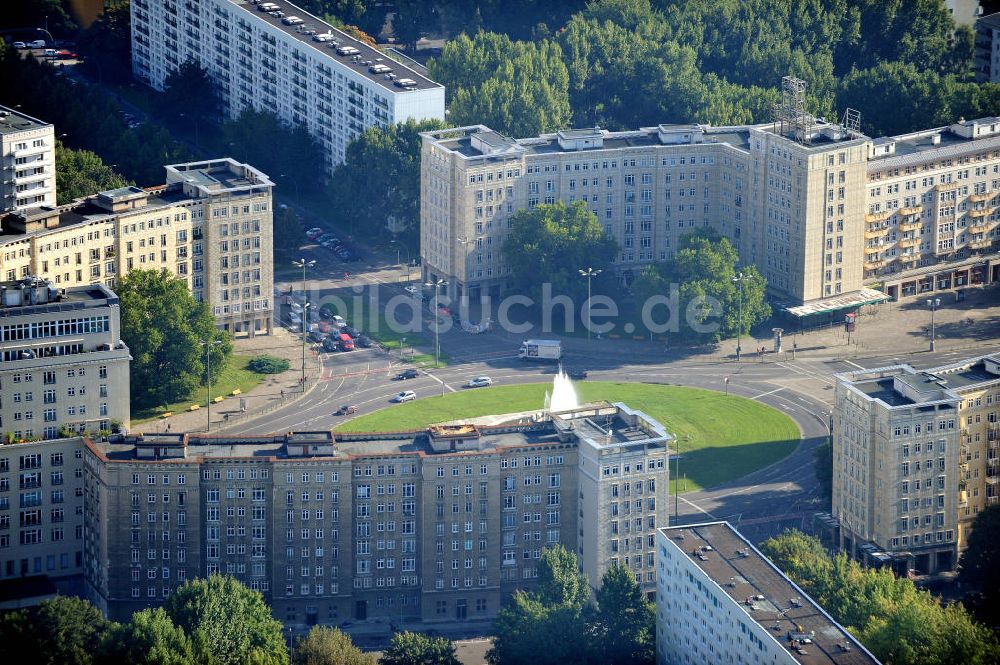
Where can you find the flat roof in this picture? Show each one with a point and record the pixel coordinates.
(744, 574)
(990, 21)
(841, 302)
(368, 55)
(13, 121)
(883, 389)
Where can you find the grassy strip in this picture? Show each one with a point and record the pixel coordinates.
(234, 375)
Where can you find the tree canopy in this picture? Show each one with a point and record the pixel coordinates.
(323, 645)
(62, 631)
(979, 566)
(703, 271)
(149, 638)
(890, 616)
(551, 243)
(82, 173)
(384, 163)
(409, 648)
(228, 620)
(517, 88)
(164, 327)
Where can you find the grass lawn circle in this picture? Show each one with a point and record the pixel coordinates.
(721, 437)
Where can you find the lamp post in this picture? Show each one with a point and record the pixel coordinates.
(437, 325)
(589, 273)
(739, 279)
(305, 320)
(933, 303)
(303, 263)
(208, 371)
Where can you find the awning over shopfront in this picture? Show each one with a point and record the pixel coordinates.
(841, 302)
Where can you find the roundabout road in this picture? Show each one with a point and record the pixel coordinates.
(763, 503)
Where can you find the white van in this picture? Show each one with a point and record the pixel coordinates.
(38, 43)
(50, 53)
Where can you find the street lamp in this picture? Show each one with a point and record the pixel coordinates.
(437, 324)
(466, 241)
(739, 279)
(933, 303)
(589, 273)
(208, 371)
(305, 321)
(303, 263)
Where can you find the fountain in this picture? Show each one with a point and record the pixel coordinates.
(563, 397)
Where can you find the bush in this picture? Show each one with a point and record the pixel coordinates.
(265, 364)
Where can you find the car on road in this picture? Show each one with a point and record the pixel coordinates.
(323, 237)
(405, 396)
(38, 43)
(479, 382)
(20, 45)
(330, 344)
(66, 55)
(578, 375)
(413, 289)
(407, 374)
(353, 332)
(314, 233)
(347, 410)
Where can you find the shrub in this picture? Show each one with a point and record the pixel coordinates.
(265, 364)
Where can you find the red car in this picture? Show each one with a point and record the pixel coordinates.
(66, 55)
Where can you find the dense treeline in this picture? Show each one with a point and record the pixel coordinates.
(897, 622)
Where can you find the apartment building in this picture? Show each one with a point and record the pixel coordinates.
(41, 512)
(276, 57)
(28, 151)
(210, 224)
(65, 366)
(914, 461)
(987, 49)
(720, 601)
(825, 213)
(436, 525)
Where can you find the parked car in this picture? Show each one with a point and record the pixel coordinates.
(317, 336)
(66, 55)
(413, 289)
(330, 344)
(405, 396)
(314, 233)
(578, 375)
(407, 374)
(20, 45)
(338, 321)
(38, 43)
(479, 382)
(347, 410)
(353, 332)
(365, 342)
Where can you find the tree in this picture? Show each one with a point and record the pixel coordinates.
(328, 646)
(106, 46)
(62, 631)
(228, 621)
(288, 155)
(418, 649)
(516, 88)
(547, 626)
(385, 164)
(624, 627)
(81, 173)
(979, 566)
(163, 326)
(551, 243)
(711, 304)
(149, 638)
(189, 94)
(287, 230)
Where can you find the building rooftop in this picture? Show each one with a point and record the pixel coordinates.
(362, 60)
(882, 389)
(216, 176)
(32, 295)
(989, 21)
(12, 121)
(938, 143)
(767, 595)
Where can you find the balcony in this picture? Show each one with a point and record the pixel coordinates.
(873, 233)
(874, 265)
(913, 210)
(979, 198)
(992, 480)
(906, 243)
(878, 216)
(980, 227)
(980, 244)
(979, 212)
(873, 251)
(909, 225)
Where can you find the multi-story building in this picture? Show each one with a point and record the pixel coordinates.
(824, 212)
(433, 525)
(210, 225)
(65, 366)
(720, 601)
(987, 51)
(41, 512)
(284, 61)
(914, 461)
(28, 151)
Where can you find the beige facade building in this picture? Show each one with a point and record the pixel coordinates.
(28, 154)
(41, 512)
(915, 460)
(65, 366)
(210, 224)
(441, 524)
(825, 213)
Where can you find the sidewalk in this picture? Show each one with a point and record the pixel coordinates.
(273, 392)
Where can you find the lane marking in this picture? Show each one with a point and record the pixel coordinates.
(769, 392)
